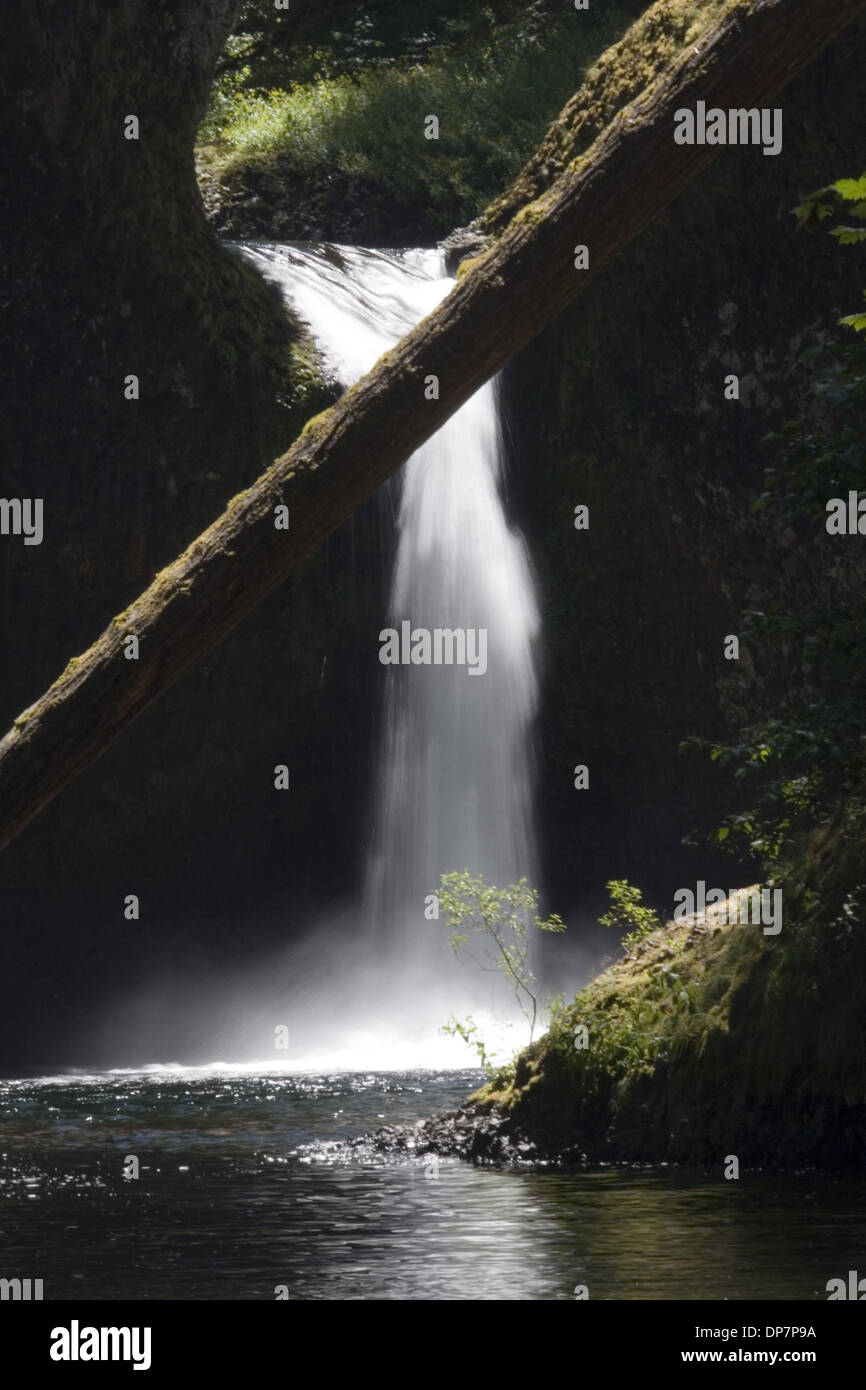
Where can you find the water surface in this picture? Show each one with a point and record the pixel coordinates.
(247, 1182)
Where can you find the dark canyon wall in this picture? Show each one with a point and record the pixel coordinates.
(620, 406)
(109, 268)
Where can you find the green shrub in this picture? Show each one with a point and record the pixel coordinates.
(627, 912)
(493, 97)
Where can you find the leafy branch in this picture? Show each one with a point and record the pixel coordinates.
(503, 919)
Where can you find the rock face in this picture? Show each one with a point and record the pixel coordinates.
(109, 269)
(620, 406)
(479, 1133)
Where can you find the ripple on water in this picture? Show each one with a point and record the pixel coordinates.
(248, 1181)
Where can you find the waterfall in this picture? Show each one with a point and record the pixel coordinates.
(455, 777)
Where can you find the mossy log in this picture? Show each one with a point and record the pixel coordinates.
(601, 200)
(620, 75)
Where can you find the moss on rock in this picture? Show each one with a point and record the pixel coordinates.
(711, 1040)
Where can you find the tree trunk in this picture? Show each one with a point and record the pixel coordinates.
(511, 292)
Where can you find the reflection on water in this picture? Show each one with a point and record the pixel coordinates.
(245, 1183)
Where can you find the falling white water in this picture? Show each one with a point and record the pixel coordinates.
(455, 781)
(370, 989)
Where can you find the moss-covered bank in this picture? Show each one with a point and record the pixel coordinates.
(706, 1041)
(712, 1041)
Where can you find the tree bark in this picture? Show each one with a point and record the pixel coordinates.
(508, 295)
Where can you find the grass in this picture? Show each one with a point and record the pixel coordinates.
(493, 104)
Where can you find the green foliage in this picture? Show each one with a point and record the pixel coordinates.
(349, 103)
(226, 93)
(556, 1003)
(319, 41)
(805, 756)
(635, 1012)
(499, 1072)
(469, 1031)
(815, 209)
(502, 919)
(627, 912)
(316, 42)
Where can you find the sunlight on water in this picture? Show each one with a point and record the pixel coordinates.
(249, 1179)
